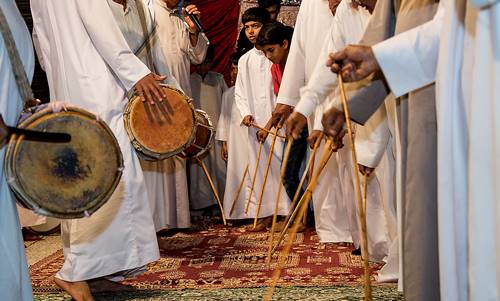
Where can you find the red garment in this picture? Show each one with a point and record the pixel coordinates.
(277, 75)
(220, 19)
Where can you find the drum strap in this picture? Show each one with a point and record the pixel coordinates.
(15, 60)
(145, 32)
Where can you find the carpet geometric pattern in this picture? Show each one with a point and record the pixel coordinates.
(228, 258)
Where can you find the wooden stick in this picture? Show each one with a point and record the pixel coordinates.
(293, 207)
(365, 194)
(267, 131)
(216, 194)
(362, 212)
(278, 196)
(254, 177)
(266, 174)
(239, 190)
(327, 153)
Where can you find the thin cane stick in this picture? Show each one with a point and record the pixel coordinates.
(266, 130)
(327, 153)
(266, 174)
(216, 194)
(362, 213)
(293, 207)
(365, 194)
(239, 191)
(254, 177)
(278, 196)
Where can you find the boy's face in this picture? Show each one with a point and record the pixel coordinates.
(204, 67)
(274, 11)
(252, 30)
(234, 73)
(276, 53)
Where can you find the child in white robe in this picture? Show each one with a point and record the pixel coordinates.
(255, 100)
(207, 88)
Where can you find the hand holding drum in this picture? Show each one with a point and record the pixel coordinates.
(149, 89)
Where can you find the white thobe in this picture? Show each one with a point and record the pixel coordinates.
(15, 283)
(348, 27)
(231, 130)
(89, 64)
(305, 49)
(166, 180)
(176, 45)
(467, 78)
(254, 96)
(207, 95)
(332, 219)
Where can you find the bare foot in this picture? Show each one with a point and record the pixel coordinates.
(262, 225)
(79, 290)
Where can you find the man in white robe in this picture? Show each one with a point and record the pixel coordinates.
(207, 88)
(166, 180)
(255, 99)
(180, 40)
(15, 283)
(313, 16)
(467, 138)
(89, 64)
(348, 27)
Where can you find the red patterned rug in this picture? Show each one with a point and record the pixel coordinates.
(223, 257)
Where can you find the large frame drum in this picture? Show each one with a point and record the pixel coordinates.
(162, 130)
(64, 180)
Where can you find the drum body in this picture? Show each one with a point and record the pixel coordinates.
(64, 180)
(204, 137)
(162, 130)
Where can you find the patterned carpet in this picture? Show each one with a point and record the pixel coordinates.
(222, 263)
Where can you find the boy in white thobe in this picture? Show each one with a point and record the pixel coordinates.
(255, 100)
(207, 88)
(166, 180)
(234, 138)
(15, 283)
(90, 65)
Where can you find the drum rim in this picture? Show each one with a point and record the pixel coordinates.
(15, 185)
(146, 153)
(211, 139)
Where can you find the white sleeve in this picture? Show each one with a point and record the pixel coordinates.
(372, 138)
(323, 81)
(240, 97)
(294, 74)
(197, 53)
(417, 51)
(223, 125)
(110, 43)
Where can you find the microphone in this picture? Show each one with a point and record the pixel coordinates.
(196, 22)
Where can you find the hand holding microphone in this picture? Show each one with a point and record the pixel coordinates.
(192, 14)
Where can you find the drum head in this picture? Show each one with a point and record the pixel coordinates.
(65, 180)
(162, 130)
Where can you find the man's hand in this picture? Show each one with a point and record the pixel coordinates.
(280, 114)
(149, 90)
(313, 137)
(224, 152)
(365, 170)
(191, 9)
(355, 62)
(248, 120)
(333, 123)
(262, 136)
(295, 124)
(4, 132)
